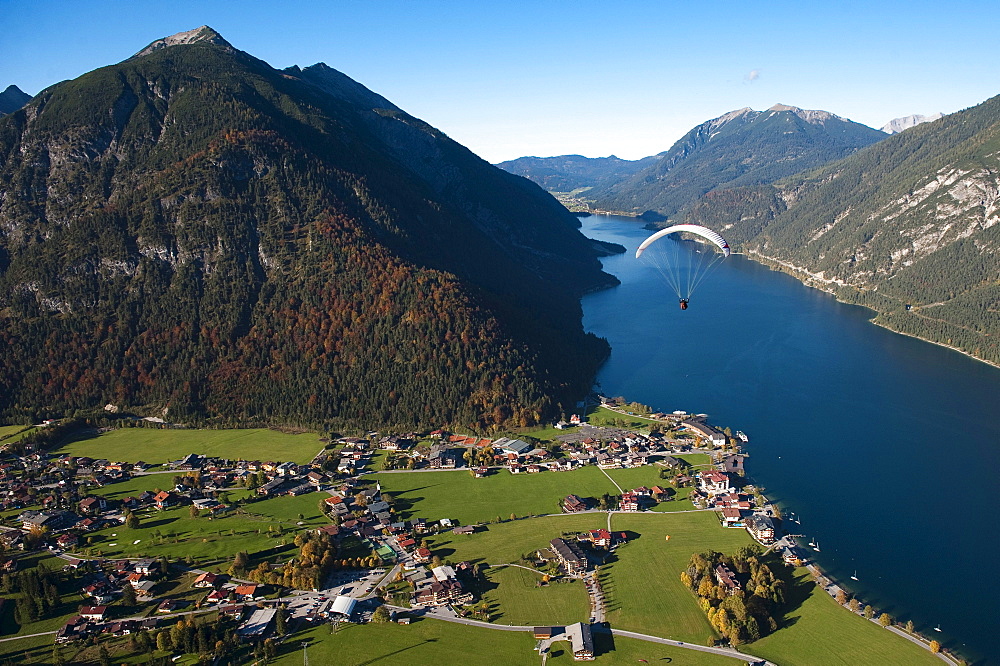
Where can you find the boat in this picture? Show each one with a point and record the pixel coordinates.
(816, 546)
(937, 628)
(742, 436)
(855, 576)
(812, 543)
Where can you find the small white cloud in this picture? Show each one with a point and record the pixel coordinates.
(753, 75)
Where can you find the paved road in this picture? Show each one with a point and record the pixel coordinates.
(725, 652)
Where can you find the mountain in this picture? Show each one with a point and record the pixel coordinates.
(897, 125)
(12, 99)
(908, 226)
(742, 147)
(567, 173)
(193, 232)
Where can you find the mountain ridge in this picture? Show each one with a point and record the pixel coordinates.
(12, 99)
(200, 232)
(773, 144)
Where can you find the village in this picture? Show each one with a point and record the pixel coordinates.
(400, 572)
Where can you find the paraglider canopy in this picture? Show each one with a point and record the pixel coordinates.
(683, 266)
(695, 229)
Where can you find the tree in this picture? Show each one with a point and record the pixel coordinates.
(885, 619)
(909, 626)
(935, 647)
(279, 622)
(193, 511)
(841, 597)
(854, 605)
(869, 612)
(132, 521)
(381, 615)
(163, 643)
(57, 656)
(104, 656)
(128, 596)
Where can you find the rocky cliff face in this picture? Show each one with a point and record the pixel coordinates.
(907, 226)
(897, 125)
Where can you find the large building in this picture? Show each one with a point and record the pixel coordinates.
(570, 556)
(581, 641)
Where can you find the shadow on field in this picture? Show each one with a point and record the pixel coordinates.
(388, 655)
(604, 641)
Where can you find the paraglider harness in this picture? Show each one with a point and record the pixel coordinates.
(684, 304)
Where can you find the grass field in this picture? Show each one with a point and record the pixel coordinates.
(157, 446)
(436, 642)
(211, 540)
(8, 430)
(457, 495)
(821, 632)
(643, 586)
(516, 599)
(506, 542)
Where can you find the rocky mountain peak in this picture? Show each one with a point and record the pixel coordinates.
(815, 117)
(204, 34)
(897, 125)
(12, 99)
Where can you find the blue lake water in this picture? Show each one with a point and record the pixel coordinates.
(887, 447)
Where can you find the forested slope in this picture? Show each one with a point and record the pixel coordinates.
(195, 233)
(907, 226)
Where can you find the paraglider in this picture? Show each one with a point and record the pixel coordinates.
(683, 268)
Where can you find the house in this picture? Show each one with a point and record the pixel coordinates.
(164, 499)
(727, 579)
(92, 506)
(207, 579)
(67, 540)
(480, 472)
(570, 556)
(271, 487)
(572, 504)
(601, 537)
(147, 567)
(216, 596)
(464, 529)
(714, 482)
(422, 556)
(731, 517)
(629, 502)
(761, 528)
(245, 592)
(95, 613)
(581, 641)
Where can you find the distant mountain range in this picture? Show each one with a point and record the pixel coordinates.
(908, 226)
(742, 147)
(567, 173)
(193, 232)
(12, 99)
(897, 125)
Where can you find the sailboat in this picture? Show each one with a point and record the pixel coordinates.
(937, 628)
(812, 543)
(816, 546)
(855, 576)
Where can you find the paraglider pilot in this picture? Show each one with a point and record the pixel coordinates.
(684, 304)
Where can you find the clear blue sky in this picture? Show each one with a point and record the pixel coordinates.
(509, 78)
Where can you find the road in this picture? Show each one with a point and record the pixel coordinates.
(724, 652)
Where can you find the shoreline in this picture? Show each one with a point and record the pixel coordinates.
(809, 280)
(831, 584)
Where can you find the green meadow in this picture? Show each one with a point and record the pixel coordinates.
(156, 445)
(459, 496)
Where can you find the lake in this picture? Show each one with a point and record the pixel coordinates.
(885, 446)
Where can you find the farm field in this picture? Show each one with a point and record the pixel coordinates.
(821, 632)
(643, 586)
(437, 642)
(174, 533)
(459, 496)
(516, 599)
(160, 445)
(503, 543)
